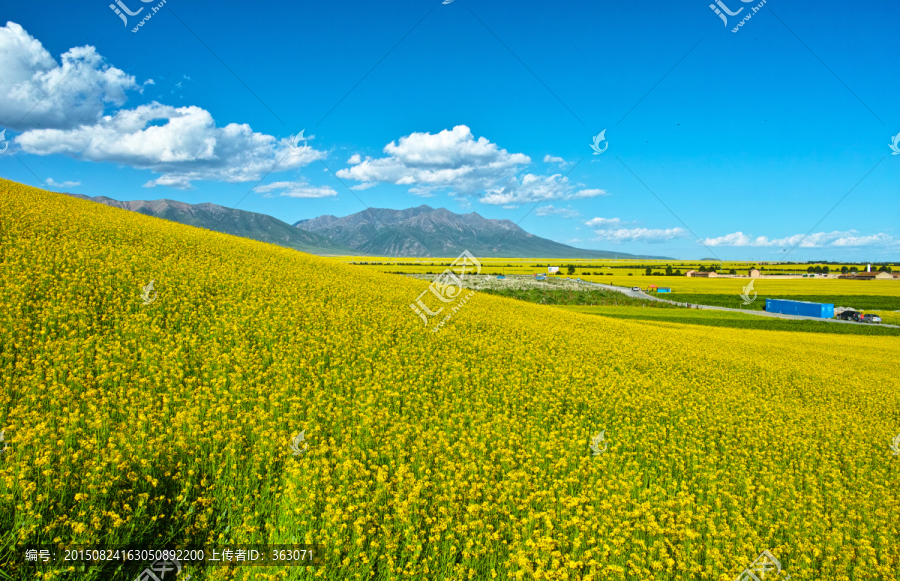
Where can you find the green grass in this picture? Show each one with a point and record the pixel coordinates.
(710, 318)
(581, 297)
(862, 302)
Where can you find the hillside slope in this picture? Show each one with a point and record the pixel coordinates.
(450, 455)
(230, 221)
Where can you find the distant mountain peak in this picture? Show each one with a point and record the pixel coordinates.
(422, 231)
(425, 231)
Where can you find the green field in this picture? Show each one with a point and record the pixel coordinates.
(710, 318)
(581, 297)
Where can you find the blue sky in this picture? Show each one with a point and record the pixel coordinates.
(744, 140)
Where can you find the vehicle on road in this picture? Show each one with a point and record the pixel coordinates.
(635, 288)
(850, 316)
(871, 319)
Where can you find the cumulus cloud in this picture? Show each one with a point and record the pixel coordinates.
(592, 193)
(604, 223)
(549, 210)
(734, 239)
(182, 144)
(51, 182)
(60, 96)
(646, 235)
(297, 189)
(558, 160)
(451, 159)
(817, 240)
(454, 160)
(533, 188)
(363, 186)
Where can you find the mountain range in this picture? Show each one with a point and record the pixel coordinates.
(260, 227)
(415, 232)
(426, 231)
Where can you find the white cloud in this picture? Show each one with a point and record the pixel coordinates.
(183, 144)
(551, 211)
(511, 207)
(454, 160)
(451, 159)
(817, 240)
(880, 239)
(363, 186)
(588, 194)
(646, 235)
(187, 146)
(734, 239)
(298, 189)
(558, 160)
(52, 183)
(533, 188)
(59, 96)
(604, 223)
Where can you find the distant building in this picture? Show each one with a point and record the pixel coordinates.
(698, 274)
(868, 276)
(754, 273)
(552, 269)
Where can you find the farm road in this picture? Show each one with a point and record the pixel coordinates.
(643, 295)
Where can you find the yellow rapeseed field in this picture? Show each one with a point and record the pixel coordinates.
(457, 455)
(614, 271)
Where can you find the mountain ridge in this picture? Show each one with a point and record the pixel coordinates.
(421, 231)
(253, 225)
(424, 231)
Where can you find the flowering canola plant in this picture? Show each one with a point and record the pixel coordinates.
(457, 455)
